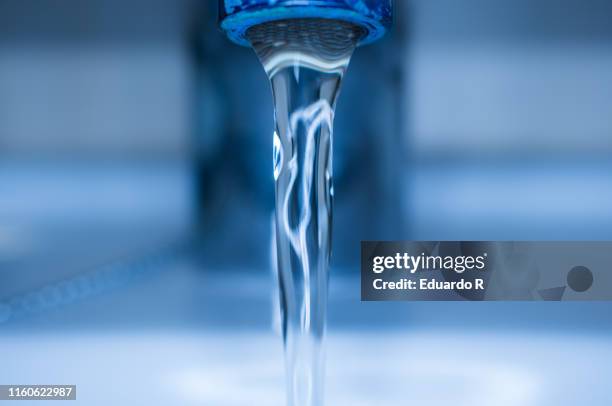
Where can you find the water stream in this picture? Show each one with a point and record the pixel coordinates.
(305, 60)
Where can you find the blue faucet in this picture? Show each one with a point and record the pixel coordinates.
(237, 16)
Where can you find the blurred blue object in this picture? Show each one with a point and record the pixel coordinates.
(237, 16)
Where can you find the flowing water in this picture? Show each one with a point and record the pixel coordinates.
(305, 60)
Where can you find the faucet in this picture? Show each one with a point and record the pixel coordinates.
(237, 16)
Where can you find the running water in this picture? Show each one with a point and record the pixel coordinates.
(305, 60)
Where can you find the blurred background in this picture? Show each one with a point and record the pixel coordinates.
(136, 195)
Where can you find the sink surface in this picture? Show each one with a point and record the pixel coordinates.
(240, 368)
